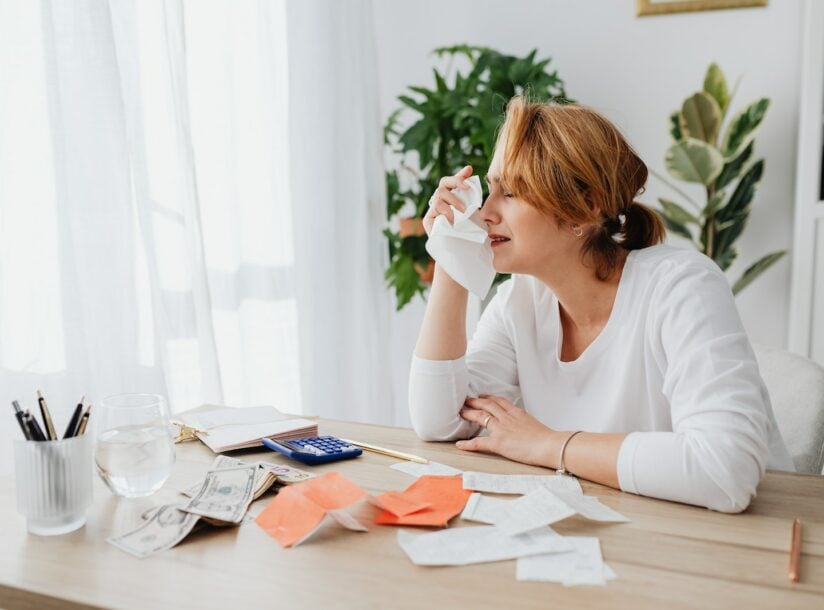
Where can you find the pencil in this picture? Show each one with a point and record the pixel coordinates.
(795, 552)
(390, 452)
(47, 419)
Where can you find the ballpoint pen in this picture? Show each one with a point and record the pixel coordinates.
(34, 428)
(20, 415)
(84, 421)
(75, 419)
(47, 419)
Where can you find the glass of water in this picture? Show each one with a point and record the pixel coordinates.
(135, 448)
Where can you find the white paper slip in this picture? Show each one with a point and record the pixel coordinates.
(537, 509)
(518, 483)
(481, 544)
(484, 509)
(433, 468)
(591, 508)
(584, 566)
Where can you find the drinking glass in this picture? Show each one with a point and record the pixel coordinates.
(135, 445)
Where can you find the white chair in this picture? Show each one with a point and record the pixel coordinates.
(796, 388)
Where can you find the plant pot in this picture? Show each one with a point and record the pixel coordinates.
(411, 227)
(426, 273)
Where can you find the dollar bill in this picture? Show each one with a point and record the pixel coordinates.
(225, 494)
(268, 474)
(167, 526)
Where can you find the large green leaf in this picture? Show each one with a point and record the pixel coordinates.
(756, 269)
(743, 193)
(675, 226)
(716, 85)
(678, 214)
(733, 168)
(743, 127)
(701, 117)
(694, 161)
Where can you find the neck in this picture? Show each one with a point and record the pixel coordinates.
(585, 300)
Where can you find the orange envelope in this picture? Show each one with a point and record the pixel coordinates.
(298, 510)
(445, 495)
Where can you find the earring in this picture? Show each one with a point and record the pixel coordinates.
(577, 230)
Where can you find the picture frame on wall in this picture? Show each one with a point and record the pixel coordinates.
(663, 7)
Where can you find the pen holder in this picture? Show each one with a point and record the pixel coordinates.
(54, 483)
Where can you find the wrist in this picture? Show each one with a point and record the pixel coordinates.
(552, 453)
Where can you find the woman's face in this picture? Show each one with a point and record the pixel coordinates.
(524, 240)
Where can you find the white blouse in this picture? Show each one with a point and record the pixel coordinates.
(672, 367)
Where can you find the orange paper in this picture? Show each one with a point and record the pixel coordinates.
(298, 510)
(446, 498)
(397, 504)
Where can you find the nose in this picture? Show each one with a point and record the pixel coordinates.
(489, 212)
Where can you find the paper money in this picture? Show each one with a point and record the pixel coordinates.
(225, 494)
(168, 526)
(268, 474)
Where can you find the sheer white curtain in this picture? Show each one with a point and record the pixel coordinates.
(191, 199)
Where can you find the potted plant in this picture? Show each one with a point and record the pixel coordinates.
(454, 123)
(723, 165)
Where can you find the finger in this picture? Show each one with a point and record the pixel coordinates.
(505, 404)
(456, 181)
(479, 443)
(444, 209)
(488, 405)
(451, 198)
(462, 175)
(474, 415)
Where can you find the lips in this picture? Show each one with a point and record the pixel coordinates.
(497, 240)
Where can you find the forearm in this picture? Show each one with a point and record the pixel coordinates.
(588, 455)
(443, 332)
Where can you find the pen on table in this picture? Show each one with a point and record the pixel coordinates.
(84, 421)
(795, 552)
(390, 452)
(47, 419)
(75, 419)
(20, 415)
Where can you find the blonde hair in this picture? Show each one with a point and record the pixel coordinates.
(571, 163)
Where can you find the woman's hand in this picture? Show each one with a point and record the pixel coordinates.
(513, 433)
(443, 198)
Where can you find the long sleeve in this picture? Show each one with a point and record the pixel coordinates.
(438, 388)
(717, 452)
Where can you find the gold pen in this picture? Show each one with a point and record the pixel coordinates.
(84, 421)
(47, 420)
(795, 552)
(390, 452)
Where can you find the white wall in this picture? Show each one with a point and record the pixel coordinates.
(635, 70)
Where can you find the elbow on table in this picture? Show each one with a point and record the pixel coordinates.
(730, 478)
(431, 429)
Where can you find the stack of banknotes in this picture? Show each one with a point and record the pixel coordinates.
(220, 499)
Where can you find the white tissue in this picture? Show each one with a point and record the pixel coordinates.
(462, 249)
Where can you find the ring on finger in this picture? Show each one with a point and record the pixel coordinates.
(486, 421)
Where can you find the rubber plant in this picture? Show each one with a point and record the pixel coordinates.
(452, 124)
(723, 166)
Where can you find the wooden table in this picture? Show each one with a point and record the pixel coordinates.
(669, 556)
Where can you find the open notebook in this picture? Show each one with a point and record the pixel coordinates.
(228, 428)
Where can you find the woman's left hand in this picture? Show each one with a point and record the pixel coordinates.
(513, 433)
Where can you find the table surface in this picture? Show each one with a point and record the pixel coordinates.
(670, 555)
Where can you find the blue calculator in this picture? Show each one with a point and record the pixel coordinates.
(314, 449)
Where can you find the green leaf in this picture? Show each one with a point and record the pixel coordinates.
(756, 269)
(675, 126)
(408, 101)
(714, 204)
(743, 127)
(675, 227)
(676, 213)
(694, 161)
(743, 193)
(716, 85)
(733, 168)
(701, 117)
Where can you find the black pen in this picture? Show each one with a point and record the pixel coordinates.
(84, 421)
(75, 419)
(21, 419)
(47, 419)
(34, 428)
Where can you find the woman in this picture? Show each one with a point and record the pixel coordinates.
(629, 357)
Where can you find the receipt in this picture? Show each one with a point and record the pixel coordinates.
(519, 483)
(462, 248)
(583, 566)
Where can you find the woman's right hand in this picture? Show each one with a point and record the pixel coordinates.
(441, 201)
